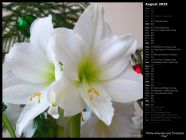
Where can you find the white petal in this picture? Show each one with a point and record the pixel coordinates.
(9, 78)
(121, 126)
(53, 111)
(114, 55)
(138, 116)
(70, 49)
(19, 94)
(29, 130)
(41, 31)
(29, 113)
(56, 87)
(101, 105)
(58, 70)
(6, 68)
(126, 89)
(129, 73)
(86, 114)
(132, 48)
(67, 96)
(28, 63)
(15, 90)
(114, 68)
(72, 102)
(49, 50)
(42, 36)
(91, 25)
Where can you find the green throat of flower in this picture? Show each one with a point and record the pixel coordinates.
(88, 71)
(51, 73)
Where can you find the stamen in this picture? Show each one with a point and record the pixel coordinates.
(38, 94)
(97, 93)
(92, 92)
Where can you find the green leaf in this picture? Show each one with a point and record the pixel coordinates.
(8, 125)
(45, 127)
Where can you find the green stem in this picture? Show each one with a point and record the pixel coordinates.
(75, 125)
(7, 124)
(60, 131)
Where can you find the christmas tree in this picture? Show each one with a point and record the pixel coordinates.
(18, 16)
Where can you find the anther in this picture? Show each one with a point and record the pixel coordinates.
(38, 94)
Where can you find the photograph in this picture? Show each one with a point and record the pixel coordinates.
(72, 69)
(91, 70)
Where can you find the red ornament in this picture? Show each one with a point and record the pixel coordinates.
(137, 68)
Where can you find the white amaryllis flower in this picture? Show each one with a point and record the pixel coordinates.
(96, 67)
(31, 68)
(121, 126)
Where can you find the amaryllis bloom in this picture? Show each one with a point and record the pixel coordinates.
(122, 124)
(96, 67)
(31, 69)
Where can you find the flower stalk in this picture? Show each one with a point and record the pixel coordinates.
(60, 131)
(75, 126)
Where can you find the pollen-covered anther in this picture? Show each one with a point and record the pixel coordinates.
(92, 92)
(38, 94)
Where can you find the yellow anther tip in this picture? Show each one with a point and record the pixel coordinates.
(38, 94)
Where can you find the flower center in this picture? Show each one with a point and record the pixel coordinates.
(88, 70)
(51, 73)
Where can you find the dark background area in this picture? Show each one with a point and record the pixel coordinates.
(167, 75)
